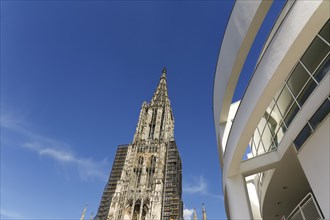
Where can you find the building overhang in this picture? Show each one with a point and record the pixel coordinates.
(243, 25)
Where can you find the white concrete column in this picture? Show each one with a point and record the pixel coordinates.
(253, 196)
(238, 200)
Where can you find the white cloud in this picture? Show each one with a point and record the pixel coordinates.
(59, 151)
(198, 186)
(188, 214)
(6, 214)
(86, 167)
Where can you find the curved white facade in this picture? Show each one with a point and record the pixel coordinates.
(283, 116)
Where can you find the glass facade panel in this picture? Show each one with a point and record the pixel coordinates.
(258, 140)
(298, 78)
(302, 136)
(271, 129)
(291, 97)
(291, 114)
(282, 130)
(261, 148)
(306, 92)
(267, 137)
(275, 115)
(261, 125)
(277, 94)
(273, 146)
(267, 115)
(323, 70)
(279, 134)
(325, 32)
(320, 114)
(270, 107)
(315, 54)
(284, 101)
(253, 148)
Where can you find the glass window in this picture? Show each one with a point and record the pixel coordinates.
(272, 129)
(261, 125)
(275, 142)
(277, 94)
(253, 146)
(266, 115)
(323, 70)
(283, 127)
(279, 134)
(320, 114)
(257, 146)
(325, 32)
(261, 148)
(274, 116)
(315, 54)
(267, 137)
(289, 99)
(291, 114)
(284, 101)
(273, 146)
(269, 109)
(302, 136)
(297, 79)
(306, 92)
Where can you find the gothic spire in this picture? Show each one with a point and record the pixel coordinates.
(204, 213)
(160, 96)
(83, 213)
(164, 73)
(195, 214)
(156, 119)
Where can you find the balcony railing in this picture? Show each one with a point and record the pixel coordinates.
(307, 209)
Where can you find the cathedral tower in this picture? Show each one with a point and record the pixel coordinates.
(146, 182)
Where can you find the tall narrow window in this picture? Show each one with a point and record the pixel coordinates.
(161, 123)
(138, 170)
(151, 169)
(152, 123)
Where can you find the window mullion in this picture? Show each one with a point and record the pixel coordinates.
(308, 71)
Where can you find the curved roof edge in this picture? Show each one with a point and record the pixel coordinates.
(242, 28)
(289, 43)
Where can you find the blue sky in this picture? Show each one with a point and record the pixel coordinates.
(74, 75)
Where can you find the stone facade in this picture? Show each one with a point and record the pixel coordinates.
(149, 187)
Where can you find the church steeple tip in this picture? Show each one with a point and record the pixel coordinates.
(163, 73)
(160, 96)
(156, 119)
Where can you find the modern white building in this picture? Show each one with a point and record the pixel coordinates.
(283, 117)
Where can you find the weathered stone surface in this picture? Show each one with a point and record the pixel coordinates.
(149, 187)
